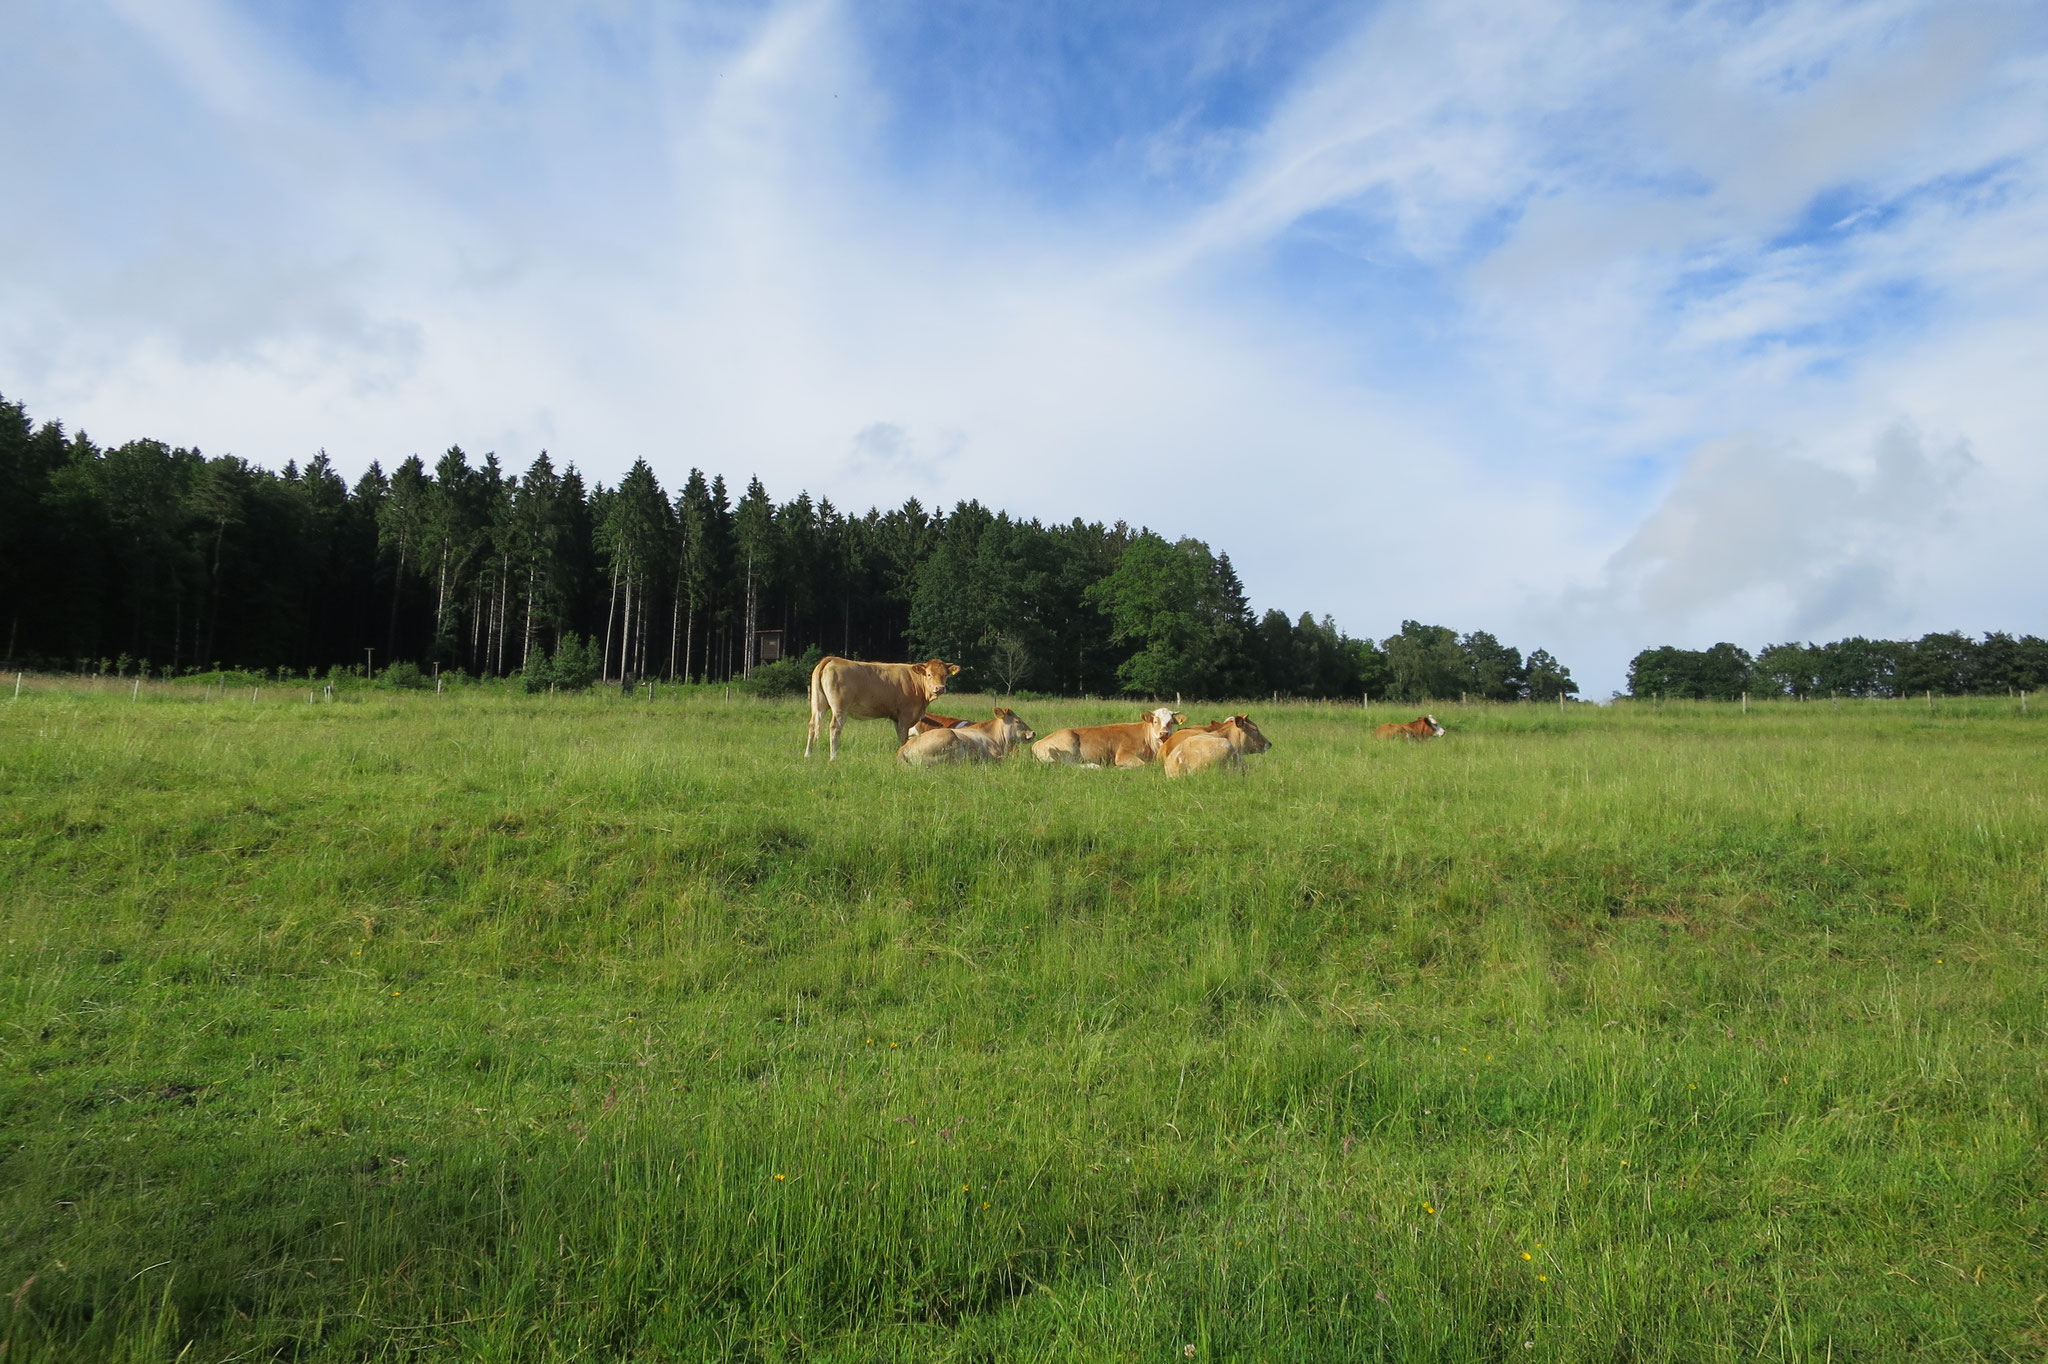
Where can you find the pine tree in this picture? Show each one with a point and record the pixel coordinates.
(401, 532)
(754, 536)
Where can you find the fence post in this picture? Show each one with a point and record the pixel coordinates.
(136, 695)
(17, 686)
(1745, 703)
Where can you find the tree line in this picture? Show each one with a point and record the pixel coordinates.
(1946, 663)
(161, 560)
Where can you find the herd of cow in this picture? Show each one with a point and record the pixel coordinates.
(903, 693)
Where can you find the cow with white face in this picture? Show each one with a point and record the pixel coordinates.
(873, 691)
(1421, 727)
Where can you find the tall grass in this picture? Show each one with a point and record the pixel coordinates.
(483, 1026)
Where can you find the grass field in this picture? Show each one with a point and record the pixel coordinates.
(491, 1027)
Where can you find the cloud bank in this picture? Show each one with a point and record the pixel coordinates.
(1598, 326)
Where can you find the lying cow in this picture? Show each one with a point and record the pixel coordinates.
(873, 691)
(987, 741)
(1421, 727)
(1221, 742)
(1131, 745)
(931, 722)
(1181, 736)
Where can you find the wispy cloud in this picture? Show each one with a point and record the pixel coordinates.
(1520, 317)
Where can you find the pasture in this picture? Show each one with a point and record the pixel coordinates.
(494, 1027)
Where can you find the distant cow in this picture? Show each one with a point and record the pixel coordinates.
(929, 722)
(987, 741)
(1421, 727)
(1222, 742)
(873, 691)
(1131, 745)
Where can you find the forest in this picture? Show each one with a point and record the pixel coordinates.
(149, 559)
(1944, 663)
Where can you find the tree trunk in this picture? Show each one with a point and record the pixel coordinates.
(626, 632)
(441, 604)
(747, 643)
(397, 582)
(689, 638)
(639, 635)
(605, 673)
(526, 645)
(220, 531)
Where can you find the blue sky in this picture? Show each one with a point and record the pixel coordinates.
(1595, 325)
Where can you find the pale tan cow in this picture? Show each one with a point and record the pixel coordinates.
(1131, 745)
(1421, 727)
(988, 741)
(1223, 743)
(873, 691)
(1254, 742)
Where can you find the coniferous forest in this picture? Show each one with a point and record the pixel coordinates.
(154, 560)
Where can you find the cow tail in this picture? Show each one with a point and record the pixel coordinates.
(817, 701)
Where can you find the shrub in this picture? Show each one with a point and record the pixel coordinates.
(572, 667)
(785, 676)
(404, 675)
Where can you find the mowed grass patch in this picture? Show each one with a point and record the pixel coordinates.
(487, 1026)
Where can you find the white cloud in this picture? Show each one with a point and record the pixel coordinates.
(683, 235)
(1797, 542)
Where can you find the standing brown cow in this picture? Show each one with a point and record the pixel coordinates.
(1421, 727)
(873, 691)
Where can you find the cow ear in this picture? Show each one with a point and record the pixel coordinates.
(952, 668)
(1004, 710)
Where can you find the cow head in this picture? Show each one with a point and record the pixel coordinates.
(1165, 717)
(1436, 731)
(935, 672)
(1010, 729)
(1244, 736)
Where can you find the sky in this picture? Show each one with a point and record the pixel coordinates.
(1597, 326)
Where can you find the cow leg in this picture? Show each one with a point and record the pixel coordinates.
(838, 723)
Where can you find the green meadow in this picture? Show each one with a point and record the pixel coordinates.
(493, 1027)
